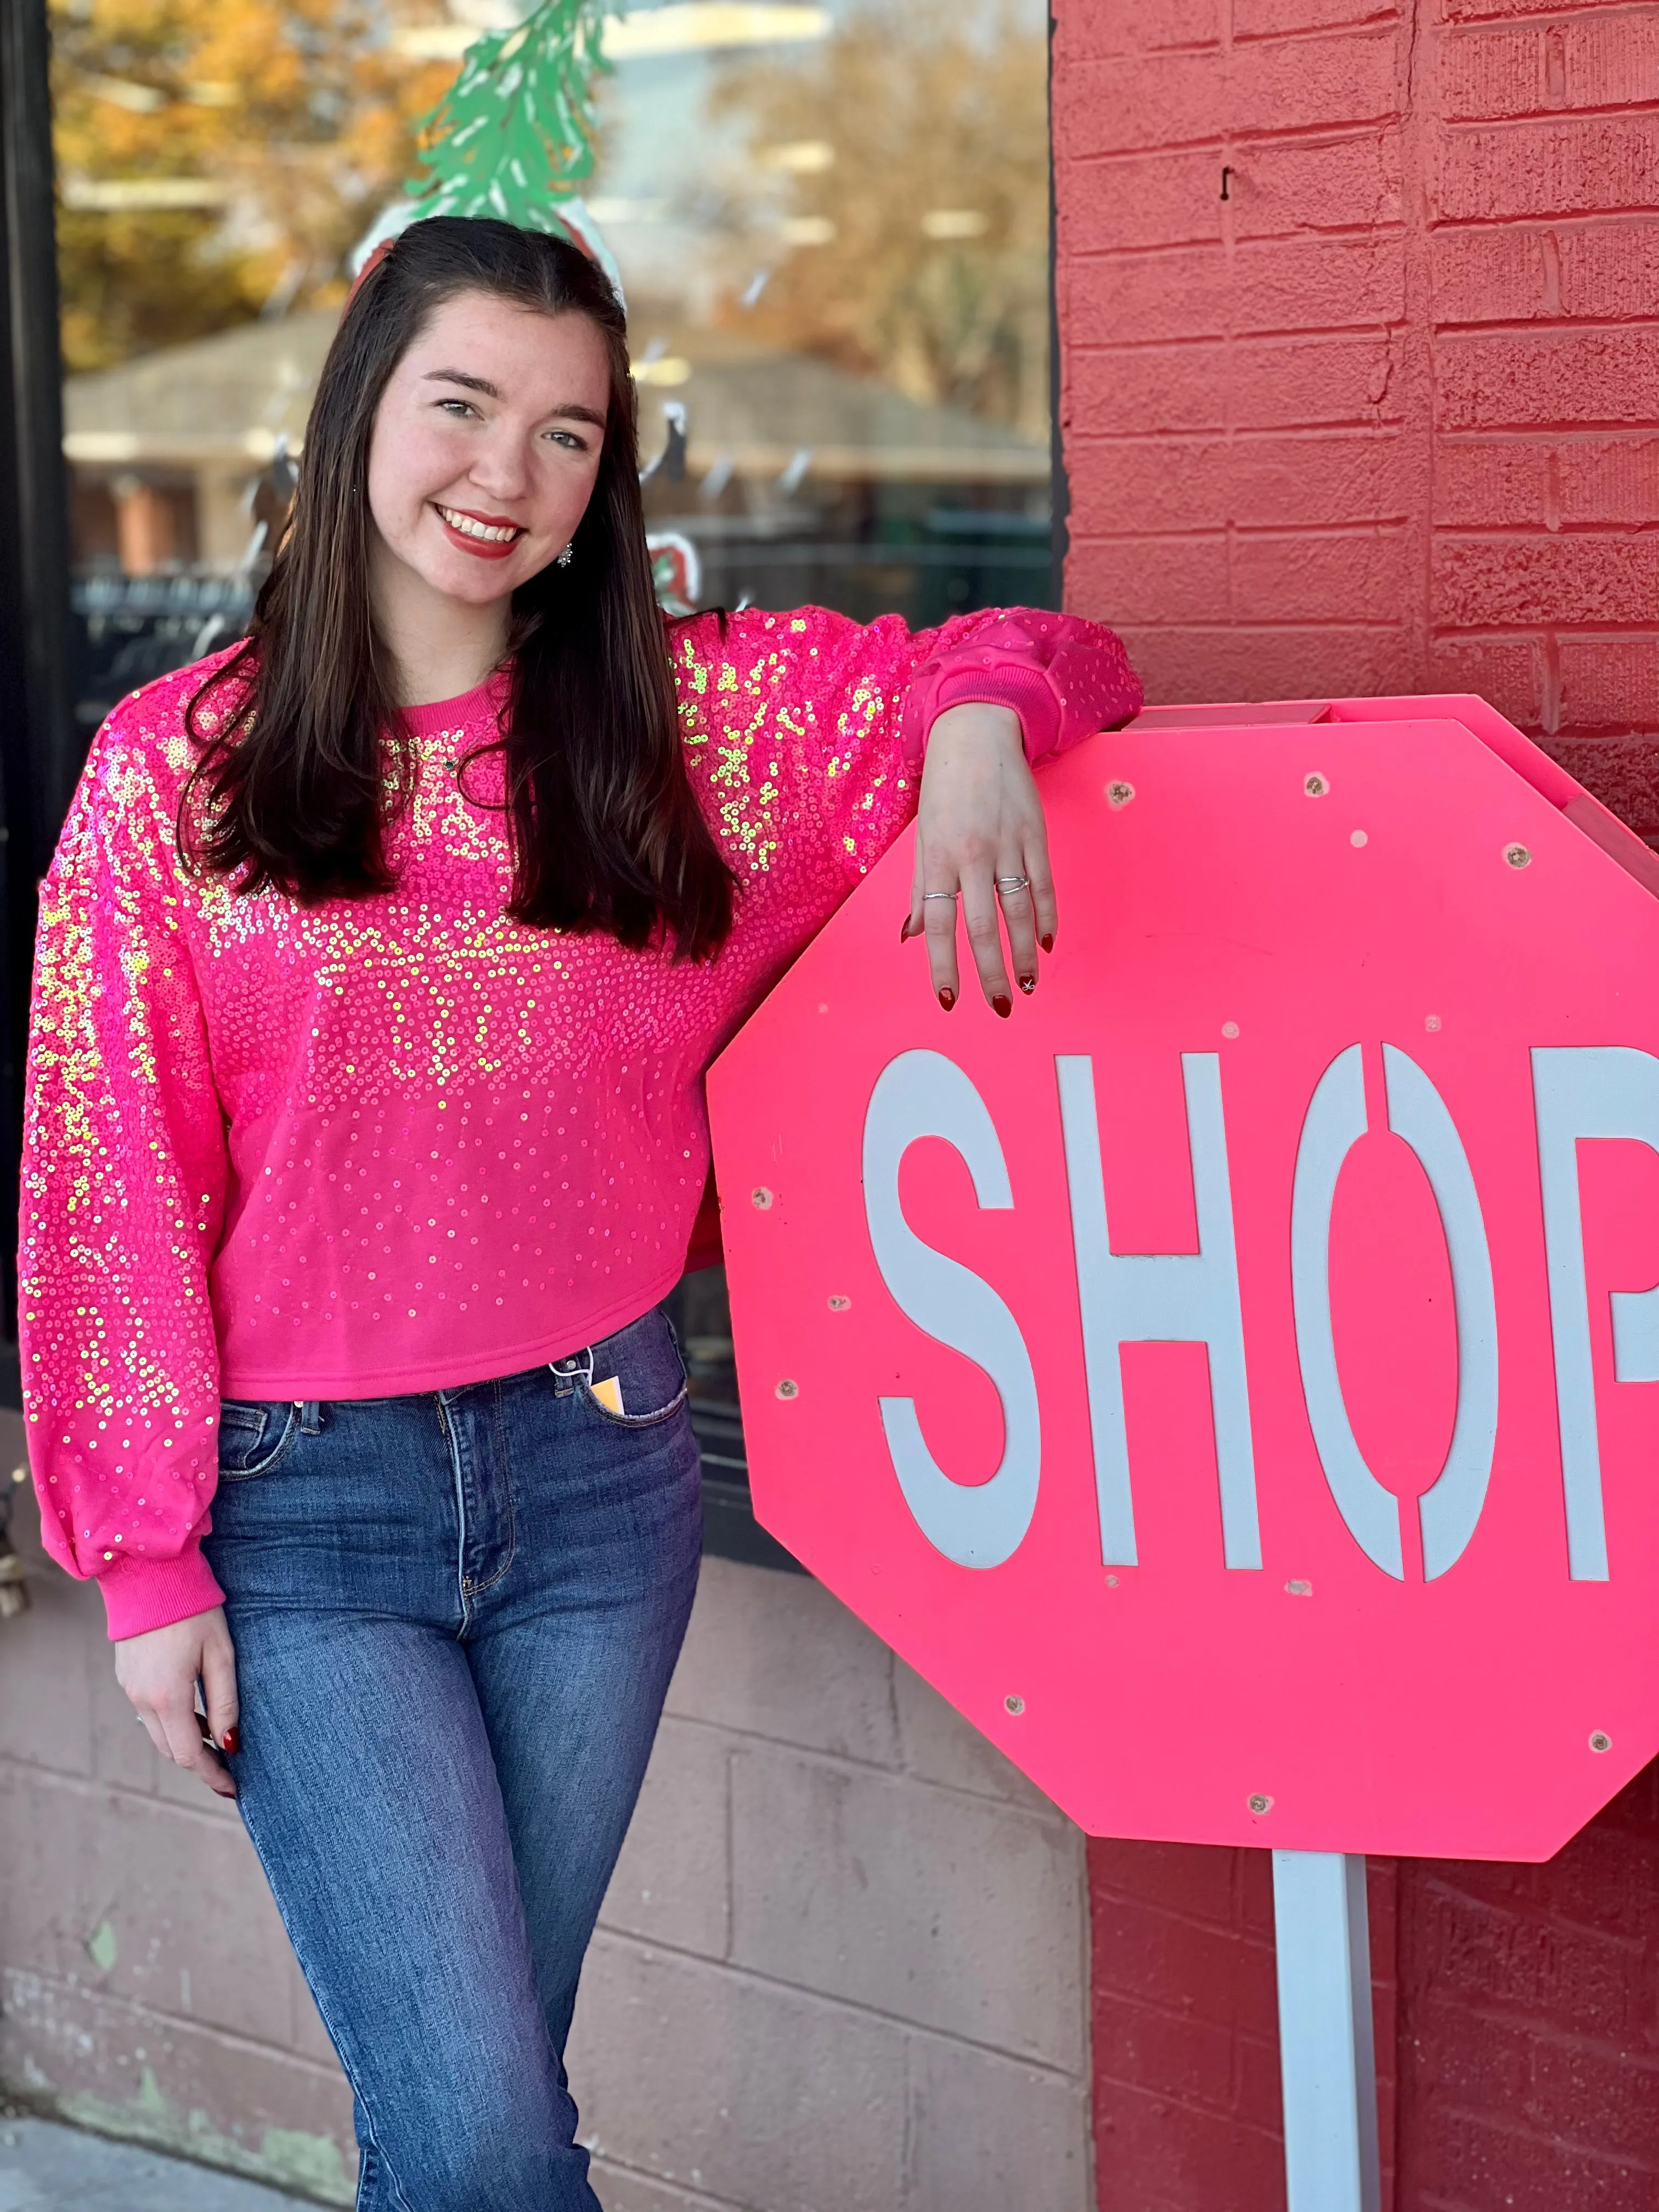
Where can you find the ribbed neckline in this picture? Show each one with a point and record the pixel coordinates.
(480, 704)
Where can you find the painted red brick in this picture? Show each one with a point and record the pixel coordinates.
(1085, 34)
(1122, 298)
(1594, 271)
(1608, 480)
(1224, 661)
(1158, 579)
(1277, 383)
(1493, 72)
(1610, 57)
(1386, 419)
(1495, 484)
(1548, 169)
(1567, 377)
(1321, 283)
(1542, 582)
(1316, 480)
(1147, 390)
(1187, 2111)
(1596, 59)
(1299, 84)
(1624, 774)
(1529, 2037)
(1496, 275)
(1310, 577)
(1162, 199)
(1288, 188)
(1608, 682)
(1331, 479)
(1610, 270)
(1277, 285)
(1130, 103)
(1267, 19)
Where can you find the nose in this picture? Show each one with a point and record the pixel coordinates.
(501, 467)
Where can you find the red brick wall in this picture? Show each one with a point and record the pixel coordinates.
(1516, 2015)
(1186, 2044)
(1384, 418)
(1529, 2044)
(1387, 416)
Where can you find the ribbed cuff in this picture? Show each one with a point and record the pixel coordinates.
(142, 1594)
(987, 679)
(1026, 690)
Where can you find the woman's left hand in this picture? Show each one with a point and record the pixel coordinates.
(981, 834)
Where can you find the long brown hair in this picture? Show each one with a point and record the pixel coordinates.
(297, 782)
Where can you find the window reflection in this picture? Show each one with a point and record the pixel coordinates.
(831, 221)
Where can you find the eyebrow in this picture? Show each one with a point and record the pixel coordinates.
(574, 410)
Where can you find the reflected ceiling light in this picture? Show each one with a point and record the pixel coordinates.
(608, 208)
(684, 27)
(955, 222)
(124, 195)
(801, 157)
(806, 230)
(120, 92)
(678, 28)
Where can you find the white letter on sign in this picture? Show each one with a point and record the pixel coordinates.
(1152, 1297)
(1590, 1091)
(922, 1094)
(1448, 1511)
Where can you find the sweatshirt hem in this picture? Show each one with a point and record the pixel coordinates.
(415, 1376)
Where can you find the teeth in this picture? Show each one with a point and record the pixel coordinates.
(487, 531)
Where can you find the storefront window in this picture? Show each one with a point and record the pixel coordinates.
(830, 221)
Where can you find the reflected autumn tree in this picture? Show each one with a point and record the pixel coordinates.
(286, 123)
(897, 182)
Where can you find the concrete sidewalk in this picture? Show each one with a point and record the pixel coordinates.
(47, 2168)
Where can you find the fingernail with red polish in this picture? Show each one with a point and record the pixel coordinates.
(1028, 984)
(947, 997)
(231, 1741)
(1047, 943)
(1003, 1006)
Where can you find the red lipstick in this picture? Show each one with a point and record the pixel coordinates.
(483, 548)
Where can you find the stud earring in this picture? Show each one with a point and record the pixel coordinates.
(567, 555)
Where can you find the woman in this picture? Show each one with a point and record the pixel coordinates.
(380, 965)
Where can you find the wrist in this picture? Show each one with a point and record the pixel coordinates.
(977, 721)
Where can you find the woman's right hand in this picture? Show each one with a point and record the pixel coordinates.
(160, 1670)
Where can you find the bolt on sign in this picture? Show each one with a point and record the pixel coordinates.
(1225, 1381)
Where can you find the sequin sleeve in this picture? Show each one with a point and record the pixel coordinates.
(805, 732)
(124, 1188)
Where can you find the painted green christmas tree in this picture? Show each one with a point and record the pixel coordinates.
(513, 137)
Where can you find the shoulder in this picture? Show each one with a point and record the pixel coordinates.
(150, 730)
(139, 764)
(718, 651)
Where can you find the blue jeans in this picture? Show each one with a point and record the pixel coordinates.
(455, 1617)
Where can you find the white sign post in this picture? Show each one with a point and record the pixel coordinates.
(1326, 2049)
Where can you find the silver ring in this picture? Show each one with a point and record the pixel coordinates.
(952, 896)
(1013, 884)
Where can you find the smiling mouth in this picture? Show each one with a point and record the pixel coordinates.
(483, 533)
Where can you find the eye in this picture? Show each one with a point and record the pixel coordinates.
(571, 439)
(456, 407)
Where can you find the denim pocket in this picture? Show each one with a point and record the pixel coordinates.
(254, 1437)
(643, 1360)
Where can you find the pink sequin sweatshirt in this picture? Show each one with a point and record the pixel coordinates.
(403, 1143)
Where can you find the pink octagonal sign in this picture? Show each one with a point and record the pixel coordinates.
(1229, 1380)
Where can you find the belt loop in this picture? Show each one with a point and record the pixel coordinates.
(575, 1366)
(311, 1416)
